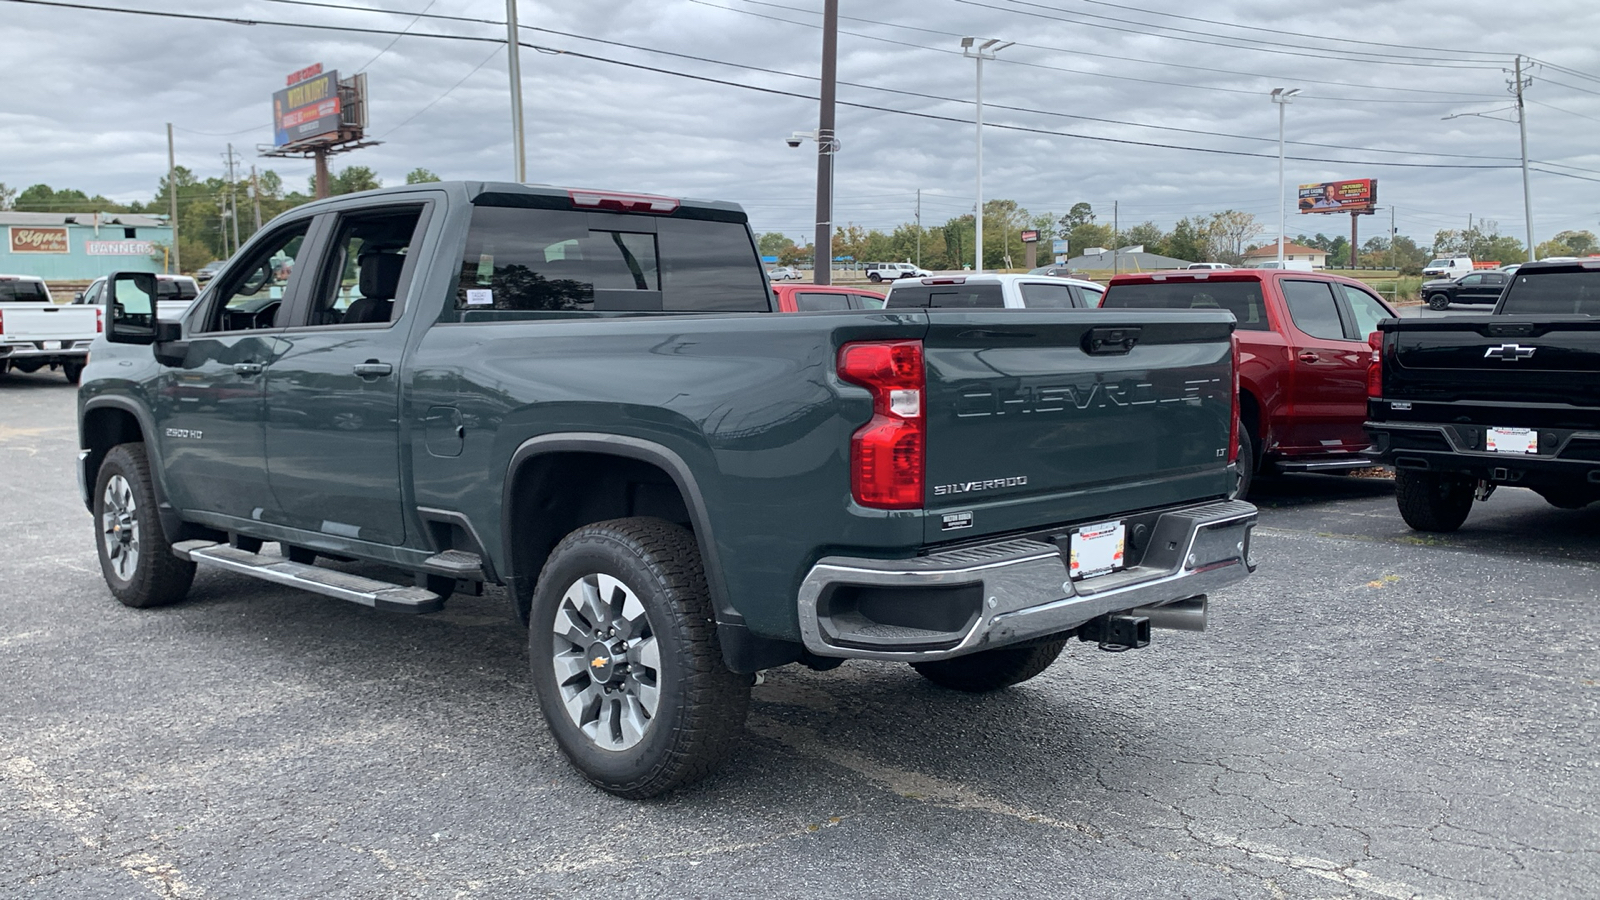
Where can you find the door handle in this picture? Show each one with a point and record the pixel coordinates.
(372, 368)
(247, 368)
(1308, 356)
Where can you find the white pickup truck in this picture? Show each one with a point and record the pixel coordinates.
(35, 332)
(174, 295)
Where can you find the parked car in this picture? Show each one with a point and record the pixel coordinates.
(1477, 287)
(1213, 265)
(817, 297)
(675, 493)
(35, 332)
(1511, 269)
(784, 273)
(209, 271)
(1448, 267)
(174, 295)
(1461, 405)
(1303, 357)
(887, 271)
(994, 291)
(1055, 271)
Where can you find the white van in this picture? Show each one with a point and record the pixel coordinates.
(1448, 267)
(1295, 265)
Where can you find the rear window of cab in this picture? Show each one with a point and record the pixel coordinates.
(1242, 298)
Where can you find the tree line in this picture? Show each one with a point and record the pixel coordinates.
(208, 209)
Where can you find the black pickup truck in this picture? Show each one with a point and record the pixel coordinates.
(1463, 404)
(588, 397)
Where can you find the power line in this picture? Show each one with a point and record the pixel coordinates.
(1575, 72)
(1226, 41)
(387, 47)
(1077, 51)
(492, 54)
(727, 83)
(1571, 87)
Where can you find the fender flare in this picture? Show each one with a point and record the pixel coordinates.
(171, 521)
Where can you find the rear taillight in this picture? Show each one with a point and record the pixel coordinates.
(1375, 366)
(887, 454)
(2, 322)
(99, 321)
(1233, 425)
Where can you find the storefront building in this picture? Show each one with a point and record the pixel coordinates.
(72, 247)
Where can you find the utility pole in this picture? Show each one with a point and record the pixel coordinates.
(233, 199)
(1282, 97)
(514, 65)
(1468, 235)
(172, 194)
(919, 228)
(827, 146)
(1116, 252)
(1392, 236)
(255, 193)
(1522, 126)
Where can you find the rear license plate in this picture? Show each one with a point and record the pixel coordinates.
(52, 345)
(1096, 550)
(1512, 440)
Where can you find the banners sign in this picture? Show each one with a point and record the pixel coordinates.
(1030, 236)
(306, 109)
(119, 248)
(1359, 196)
(39, 240)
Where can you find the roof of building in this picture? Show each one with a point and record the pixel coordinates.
(126, 220)
(1127, 260)
(1288, 247)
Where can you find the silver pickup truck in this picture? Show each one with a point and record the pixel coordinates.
(35, 332)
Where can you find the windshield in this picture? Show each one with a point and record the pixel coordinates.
(1553, 294)
(1439, 264)
(23, 290)
(948, 296)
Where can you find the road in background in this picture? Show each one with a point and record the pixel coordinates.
(1377, 713)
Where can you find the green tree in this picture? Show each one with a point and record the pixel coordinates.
(349, 180)
(8, 196)
(1228, 232)
(1080, 214)
(1147, 233)
(1569, 243)
(43, 198)
(1188, 240)
(420, 175)
(774, 243)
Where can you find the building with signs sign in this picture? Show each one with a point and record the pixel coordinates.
(81, 246)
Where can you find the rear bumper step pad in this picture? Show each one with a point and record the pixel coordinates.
(331, 583)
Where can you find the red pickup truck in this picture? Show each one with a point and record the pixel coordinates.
(1303, 358)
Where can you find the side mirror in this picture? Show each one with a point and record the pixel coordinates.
(78, 297)
(132, 310)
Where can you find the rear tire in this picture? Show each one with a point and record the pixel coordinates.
(73, 371)
(135, 558)
(1567, 500)
(990, 670)
(1439, 301)
(1246, 465)
(1432, 502)
(626, 663)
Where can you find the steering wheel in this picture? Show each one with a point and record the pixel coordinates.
(263, 317)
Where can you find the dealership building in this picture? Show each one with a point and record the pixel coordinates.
(75, 247)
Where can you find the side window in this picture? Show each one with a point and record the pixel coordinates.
(1046, 296)
(254, 291)
(814, 301)
(1365, 312)
(1471, 280)
(1495, 280)
(92, 295)
(1091, 297)
(866, 301)
(360, 277)
(1313, 309)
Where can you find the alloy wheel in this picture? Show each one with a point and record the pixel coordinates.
(607, 662)
(119, 526)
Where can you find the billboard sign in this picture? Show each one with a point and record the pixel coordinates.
(1059, 246)
(306, 109)
(1358, 196)
(39, 240)
(1030, 236)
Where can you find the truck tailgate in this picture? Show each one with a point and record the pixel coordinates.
(46, 322)
(1494, 360)
(1031, 423)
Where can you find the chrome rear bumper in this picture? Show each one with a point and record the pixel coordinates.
(1016, 589)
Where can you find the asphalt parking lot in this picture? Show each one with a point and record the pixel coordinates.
(1377, 713)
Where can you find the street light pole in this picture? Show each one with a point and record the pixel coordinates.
(986, 50)
(827, 145)
(514, 55)
(1282, 98)
(1522, 125)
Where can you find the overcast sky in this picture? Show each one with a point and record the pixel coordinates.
(89, 93)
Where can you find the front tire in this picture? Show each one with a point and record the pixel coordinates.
(874, 277)
(626, 662)
(1439, 301)
(135, 558)
(991, 670)
(1432, 502)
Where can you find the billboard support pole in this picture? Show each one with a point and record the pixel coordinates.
(321, 156)
(172, 194)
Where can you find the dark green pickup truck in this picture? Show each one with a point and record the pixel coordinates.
(589, 398)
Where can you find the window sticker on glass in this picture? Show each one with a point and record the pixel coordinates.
(485, 268)
(480, 297)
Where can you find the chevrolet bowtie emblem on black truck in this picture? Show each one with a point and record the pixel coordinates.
(1509, 352)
